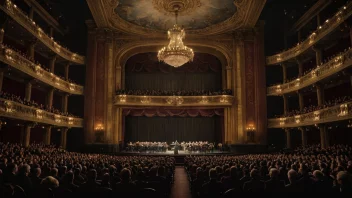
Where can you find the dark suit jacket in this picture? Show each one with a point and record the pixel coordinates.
(211, 188)
(254, 186)
(293, 188)
(274, 185)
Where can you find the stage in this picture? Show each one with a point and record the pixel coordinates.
(171, 153)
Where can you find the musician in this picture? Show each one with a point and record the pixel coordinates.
(176, 147)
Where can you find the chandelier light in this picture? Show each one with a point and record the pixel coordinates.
(176, 53)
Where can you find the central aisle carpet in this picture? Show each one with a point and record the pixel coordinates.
(181, 184)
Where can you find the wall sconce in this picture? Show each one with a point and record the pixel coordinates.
(122, 98)
(99, 127)
(343, 110)
(250, 133)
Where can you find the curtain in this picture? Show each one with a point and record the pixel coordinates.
(170, 129)
(144, 71)
(162, 112)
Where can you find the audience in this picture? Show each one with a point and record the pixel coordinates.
(32, 103)
(306, 169)
(312, 108)
(47, 171)
(173, 92)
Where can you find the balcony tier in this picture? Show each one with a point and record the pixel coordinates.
(335, 65)
(21, 63)
(14, 110)
(331, 114)
(21, 18)
(329, 25)
(175, 101)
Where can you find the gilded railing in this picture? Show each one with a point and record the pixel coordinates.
(174, 101)
(19, 111)
(331, 114)
(320, 33)
(21, 63)
(336, 64)
(20, 17)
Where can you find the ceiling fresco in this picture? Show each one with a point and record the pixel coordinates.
(194, 14)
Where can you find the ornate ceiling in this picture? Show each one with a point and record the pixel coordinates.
(156, 16)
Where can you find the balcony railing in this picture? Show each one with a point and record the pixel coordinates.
(14, 110)
(20, 17)
(320, 33)
(335, 65)
(21, 63)
(175, 101)
(331, 114)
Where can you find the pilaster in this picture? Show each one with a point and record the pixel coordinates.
(49, 98)
(47, 135)
(90, 85)
(2, 34)
(63, 141)
(320, 94)
(28, 91)
(67, 69)
(52, 64)
(303, 136)
(1, 79)
(64, 103)
(288, 138)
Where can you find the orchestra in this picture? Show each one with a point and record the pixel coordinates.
(189, 147)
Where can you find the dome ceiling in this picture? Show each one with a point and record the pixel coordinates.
(159, 14)
(201, 17)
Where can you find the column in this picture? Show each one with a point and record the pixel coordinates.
(31, 13)
(63, 138)
(286, 105)
(299, 36)
(47, 135)
(49, 98)
(2, 34)
(31, 49)
(303, 136)
(51, 32)
(324, 140)
(288, 138)
(320, 94)
(64, 103)
(28, 91)
(67, 69)
(52, 64)
(1, 79)
(300, 67)
(26, 135)
(284, 73)
(300, 100)
(318, 55)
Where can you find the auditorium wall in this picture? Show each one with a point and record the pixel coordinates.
(145, 72)
(169, 129)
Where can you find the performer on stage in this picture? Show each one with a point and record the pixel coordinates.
(176, 148)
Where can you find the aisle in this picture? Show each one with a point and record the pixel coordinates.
(181, 184)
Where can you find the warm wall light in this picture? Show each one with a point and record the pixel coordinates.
(250, 133)
(99, 127)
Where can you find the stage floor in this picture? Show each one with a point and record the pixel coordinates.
(180, 153)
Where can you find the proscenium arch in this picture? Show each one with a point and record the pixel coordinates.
(128, 51)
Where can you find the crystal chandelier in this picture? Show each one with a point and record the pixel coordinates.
(176, 53)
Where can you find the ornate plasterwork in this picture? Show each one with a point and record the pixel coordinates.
(185, 6)
(105, 16)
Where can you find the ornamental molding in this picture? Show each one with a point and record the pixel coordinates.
(247, 14)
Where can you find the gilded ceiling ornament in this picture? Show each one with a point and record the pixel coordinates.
(167, 6)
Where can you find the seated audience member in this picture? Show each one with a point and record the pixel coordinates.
(212, 188)
(344, 183)
(255, 184)
(274, 184)
(126, 187)
(92, 184)
(293, 186)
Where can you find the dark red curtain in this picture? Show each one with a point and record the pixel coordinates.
(162, 112)
(148, 62)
